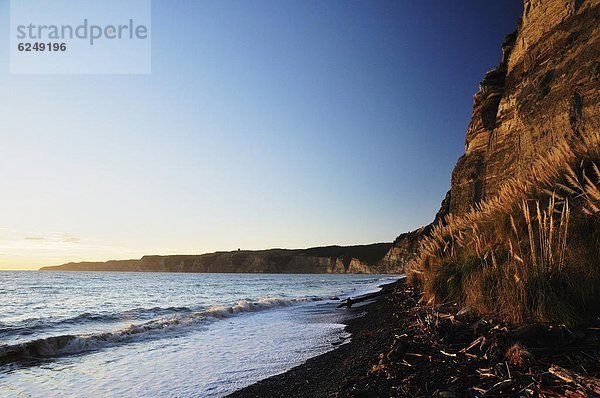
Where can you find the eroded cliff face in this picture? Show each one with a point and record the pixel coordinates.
(364, 259)
(546, 87)
(402, 251)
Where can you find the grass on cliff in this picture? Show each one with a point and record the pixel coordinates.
(530, 254)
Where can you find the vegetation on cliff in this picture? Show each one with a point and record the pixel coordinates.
(532, 252)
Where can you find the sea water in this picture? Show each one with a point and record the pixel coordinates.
(97, 334)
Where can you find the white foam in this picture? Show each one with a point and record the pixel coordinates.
(67, 344)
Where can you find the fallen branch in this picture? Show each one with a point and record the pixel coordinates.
(588, 382)
(349, 302)
(473, 344)
(496, 388)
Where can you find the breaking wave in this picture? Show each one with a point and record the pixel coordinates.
(33, 325)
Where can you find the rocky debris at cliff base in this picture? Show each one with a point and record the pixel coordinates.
(448, 352)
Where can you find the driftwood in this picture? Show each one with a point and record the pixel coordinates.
(433, 351)
(349, 302)
(590, 383)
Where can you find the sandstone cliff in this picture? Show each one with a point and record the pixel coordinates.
(546, 87)
(331, 259)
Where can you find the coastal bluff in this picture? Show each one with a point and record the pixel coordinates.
(545, 88)
(364, 259)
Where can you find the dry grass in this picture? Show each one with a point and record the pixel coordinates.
(532, 253)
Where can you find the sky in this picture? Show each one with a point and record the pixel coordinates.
(262, 124)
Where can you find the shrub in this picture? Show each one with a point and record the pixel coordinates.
(532, 252)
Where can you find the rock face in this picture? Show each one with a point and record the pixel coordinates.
(546, 87)
(402, 251)
(332, 259)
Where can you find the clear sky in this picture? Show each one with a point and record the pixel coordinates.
(263, 124)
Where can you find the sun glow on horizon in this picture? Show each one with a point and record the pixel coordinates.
(25, 250)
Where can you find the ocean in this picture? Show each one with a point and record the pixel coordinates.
(99, 334)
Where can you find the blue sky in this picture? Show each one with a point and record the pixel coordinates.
(263, 124)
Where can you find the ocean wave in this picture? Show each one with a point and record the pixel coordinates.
(35, 325)
(69, 344)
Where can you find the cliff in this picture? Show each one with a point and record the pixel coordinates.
(546, 87)
(331, 259)
(525, 197)
(406, 246)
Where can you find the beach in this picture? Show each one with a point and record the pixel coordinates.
(336, 372)
(126, 334)
(402, 348)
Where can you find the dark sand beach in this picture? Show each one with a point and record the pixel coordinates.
(400, 348)
(338, 370)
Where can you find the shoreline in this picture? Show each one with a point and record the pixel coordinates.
(402, 348)
(323, 375)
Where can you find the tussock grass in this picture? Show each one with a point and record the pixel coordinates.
(531, 253)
